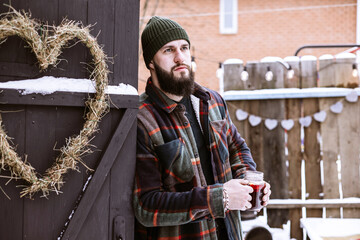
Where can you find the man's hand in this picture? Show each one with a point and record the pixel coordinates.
(267, 193)
(239, 194)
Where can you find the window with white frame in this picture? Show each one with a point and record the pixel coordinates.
(228, 16)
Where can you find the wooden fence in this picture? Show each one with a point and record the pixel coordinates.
(328, 151)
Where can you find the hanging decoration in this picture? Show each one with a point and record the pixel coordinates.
(352, 96)
(305, 121)
(254, 120)
(241, 115)
(287, 124)
(271, 123)
(47, 47)
(337, 107)
(320, 116)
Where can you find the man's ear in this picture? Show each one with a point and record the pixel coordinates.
(151, 65)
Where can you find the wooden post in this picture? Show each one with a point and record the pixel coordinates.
(274, 140)
(232, 70)
(330, 138)
(294, 157)
(349, 135)
(343, 71)
(311, 153)
(326, 71)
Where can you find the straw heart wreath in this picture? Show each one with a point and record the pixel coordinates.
(47, 48)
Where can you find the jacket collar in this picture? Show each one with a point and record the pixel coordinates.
(167, 104)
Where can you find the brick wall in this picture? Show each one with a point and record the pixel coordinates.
(265, 28)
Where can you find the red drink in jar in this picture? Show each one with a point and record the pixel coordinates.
(256, 181)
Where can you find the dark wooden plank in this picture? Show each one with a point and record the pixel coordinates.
(13, 50)
(101, 15)
(39, 138)
(19, 70)
(11, 226)
(9, 96)
(73, 10)
(74, 54)
(100, 174)
(69, 121)
(45, 11)
(126, 42)
(122, 176)
(96, 222)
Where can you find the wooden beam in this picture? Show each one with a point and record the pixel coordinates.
(71, 99)
(314, 203)
(100, 174)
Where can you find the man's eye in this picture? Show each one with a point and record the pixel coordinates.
(185, 48)
(168, 50)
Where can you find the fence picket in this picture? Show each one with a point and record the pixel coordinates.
(311, 153)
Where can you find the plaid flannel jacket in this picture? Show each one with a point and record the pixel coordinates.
(171, 199)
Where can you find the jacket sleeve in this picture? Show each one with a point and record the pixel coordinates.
(155, 207)
(239, 153)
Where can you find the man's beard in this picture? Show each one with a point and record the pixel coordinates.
(179, 86)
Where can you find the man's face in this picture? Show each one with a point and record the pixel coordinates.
(171, 65)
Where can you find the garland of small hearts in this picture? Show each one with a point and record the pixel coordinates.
(288, 124)
(47, 48)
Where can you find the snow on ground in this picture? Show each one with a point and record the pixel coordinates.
(260, 221)
(48, 85)
(318, 228)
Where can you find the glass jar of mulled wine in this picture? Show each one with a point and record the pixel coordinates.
(256, 181)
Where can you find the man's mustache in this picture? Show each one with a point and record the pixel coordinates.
(180, 65)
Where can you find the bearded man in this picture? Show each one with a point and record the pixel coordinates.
(190, 157)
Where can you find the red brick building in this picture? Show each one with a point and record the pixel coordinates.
(261, 28)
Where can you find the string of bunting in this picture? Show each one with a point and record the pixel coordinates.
(305, 121)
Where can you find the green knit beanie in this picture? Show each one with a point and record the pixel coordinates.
(157, 33)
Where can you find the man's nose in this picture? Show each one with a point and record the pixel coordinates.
(179, 56)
